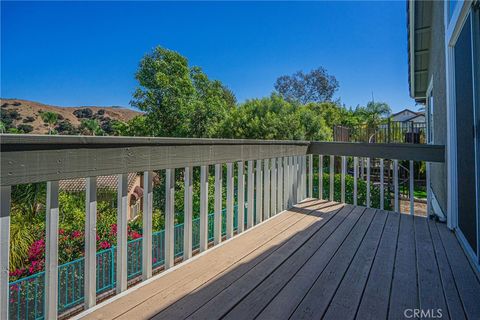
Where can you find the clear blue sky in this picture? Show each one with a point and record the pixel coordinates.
(86, 53)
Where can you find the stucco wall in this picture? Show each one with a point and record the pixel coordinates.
(437, 73)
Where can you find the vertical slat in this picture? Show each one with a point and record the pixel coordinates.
(250, 194)
(332, 177)
(304, 177)
(122, 206)
(266, 189)
(279, 185)
(320, 177)
(344, 168)
(258, 194)
(300, 179)
(147, 225)
(382, 192)
(51, 251)
(230, 182)
(240, 197)
(395, 185)
(187, 213)
(368, 182)
(217, 219)
(295, 180)
(169, 218)
(203, 208)
(290, 182)
(286, 182)
(412, 188)
(355, 180)
(273, 187)
(90, 242)
(310, 175)
(5, 199)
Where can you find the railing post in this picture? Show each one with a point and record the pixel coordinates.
(279, 185)
(355, 180)
(412, 188)
(382, 193)
(286, 183)
(292, 181)
(122, 207)
(320, 177)
(217, 224)
(203, 208)
(51, 251)
(295, 180)
(5, 199)
(266, 186)
(250, 194)
(240, 198)
(187, 213)
(147, 225)
(258, 194)
(90, 242)
(169, 218)
(230, 182)
(310, 175)
(332, 177)
(395, 184)
(368, 182)
(304, 178)
(344, 169)
(273, 187)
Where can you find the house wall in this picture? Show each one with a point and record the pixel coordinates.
(437, 73)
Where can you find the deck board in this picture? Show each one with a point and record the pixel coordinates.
(319, 259)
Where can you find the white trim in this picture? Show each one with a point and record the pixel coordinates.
(411, 5)
(468, 250)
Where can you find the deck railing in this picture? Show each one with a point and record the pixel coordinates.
(271, 176)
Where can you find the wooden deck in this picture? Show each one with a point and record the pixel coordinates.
(318, 260)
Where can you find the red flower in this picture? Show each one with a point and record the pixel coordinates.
(76, 234)
(61, 232)
(135, 235)
(104, 245)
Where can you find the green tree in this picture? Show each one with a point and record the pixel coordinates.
(91, 127)
(50, 118)
(179, 100)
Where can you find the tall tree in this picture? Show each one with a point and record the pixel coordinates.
(179, 100)
(314, 86)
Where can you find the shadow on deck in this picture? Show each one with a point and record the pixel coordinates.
(318, 260)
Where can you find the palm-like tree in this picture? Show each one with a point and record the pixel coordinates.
(49, 118)
(92, 127)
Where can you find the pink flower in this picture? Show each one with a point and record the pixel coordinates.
(104, 245)
(113, 230)
(61, 232)
(98, 237)
(76, 234)
(154, 260)
(135, 235)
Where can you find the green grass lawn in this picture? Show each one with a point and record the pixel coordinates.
(420, 193)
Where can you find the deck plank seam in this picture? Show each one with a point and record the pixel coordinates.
(393, 269)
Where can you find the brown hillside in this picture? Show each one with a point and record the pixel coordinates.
(29, 113)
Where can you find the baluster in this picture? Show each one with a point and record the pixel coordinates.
(355, 180)
(203, 208)
(395, 184)
(295, 180)
(240, 198)
(122, 207)
(320, 177)
(304, 177)
(310, 175)
(332, 176)
(429, 191)
(266, 186)
(258, 194)
(412, 199)
(251, 194)
(51, 251)
(90, 242)
(187, 213)
(279, 185)
(230, 183)
(273, 187)
(169, 218)
(147, 224)
(290, 182)
(4, 250)
(217, 219)
(368, 182)
(286, 183)
(382, 192)
(344, 165)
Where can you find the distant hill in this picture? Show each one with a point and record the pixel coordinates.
(25, 116)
